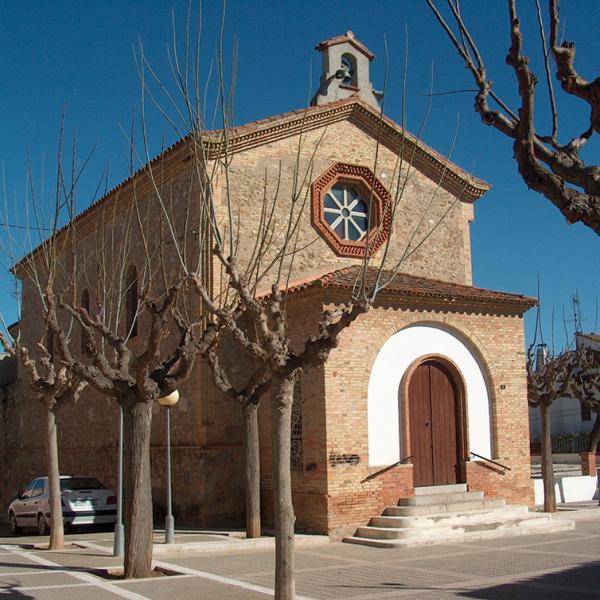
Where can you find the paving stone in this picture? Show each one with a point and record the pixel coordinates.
(352, 581)
(17, 564)
(190, 588)
(497, 563)
(85, 558)
(229, 565)
(83, 592)
(37, 579)
(585, 546)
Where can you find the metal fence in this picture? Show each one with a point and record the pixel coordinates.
(567, 443)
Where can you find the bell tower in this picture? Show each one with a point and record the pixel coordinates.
(345, 71)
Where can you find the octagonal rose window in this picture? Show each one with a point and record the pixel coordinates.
(351, 209)
(346, 212)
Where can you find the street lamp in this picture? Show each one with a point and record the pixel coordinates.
(119, 541)
(168, 402)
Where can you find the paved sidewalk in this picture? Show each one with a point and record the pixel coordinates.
(553, 566)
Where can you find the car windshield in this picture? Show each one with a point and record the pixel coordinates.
(80, 483)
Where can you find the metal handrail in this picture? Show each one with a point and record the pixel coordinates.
(491, 461)
(386, 469)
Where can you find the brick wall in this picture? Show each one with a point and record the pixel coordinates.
(330, 492)
(342, 470)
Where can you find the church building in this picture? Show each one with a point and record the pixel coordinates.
(426, 390)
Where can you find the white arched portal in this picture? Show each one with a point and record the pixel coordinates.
(397, 354)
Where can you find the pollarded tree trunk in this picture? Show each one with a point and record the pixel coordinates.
(57, 533)
(547, 463)
(281, 430)
(594, 438)
(252, 470)
(137, 420)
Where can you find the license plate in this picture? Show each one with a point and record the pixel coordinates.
(85, 503)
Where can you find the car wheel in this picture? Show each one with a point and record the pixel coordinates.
(12, 524)
(42, 525)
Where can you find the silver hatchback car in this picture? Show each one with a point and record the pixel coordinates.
(85, 501)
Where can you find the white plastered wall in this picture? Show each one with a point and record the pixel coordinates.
(397, 354)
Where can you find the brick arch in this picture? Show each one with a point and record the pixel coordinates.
(385, 381)
(453, 326)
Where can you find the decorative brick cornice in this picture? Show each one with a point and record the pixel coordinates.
(370, 187)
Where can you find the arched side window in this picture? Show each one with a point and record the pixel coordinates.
(349, 64)
(131, 301)
(297, 449)
(85, 304)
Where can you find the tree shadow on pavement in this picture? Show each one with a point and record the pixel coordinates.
(11, 592)
(575, 582)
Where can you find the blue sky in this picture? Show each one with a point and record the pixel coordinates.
(79, 56)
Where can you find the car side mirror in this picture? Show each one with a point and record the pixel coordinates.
(17, 496)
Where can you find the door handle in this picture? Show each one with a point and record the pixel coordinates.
(427, 423)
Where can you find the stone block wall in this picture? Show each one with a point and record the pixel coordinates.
(268, 170)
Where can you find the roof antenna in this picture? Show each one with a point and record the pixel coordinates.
(577, 312)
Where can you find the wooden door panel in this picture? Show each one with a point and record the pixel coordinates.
(443, 410)
(420, 426)
(433, 418)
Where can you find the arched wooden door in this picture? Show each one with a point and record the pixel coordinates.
(435, 425)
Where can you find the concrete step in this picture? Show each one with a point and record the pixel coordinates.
(449, 528)
(451, 518)
(440, 498)
(405, 511)
(427, 490)
(511, 528)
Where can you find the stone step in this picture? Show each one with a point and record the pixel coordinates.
(426, 490)
(445, 530)
(440, 498)
(512, 528)
(451, 518)
(402, 511)
(405, 511)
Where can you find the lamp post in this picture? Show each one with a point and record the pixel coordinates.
(168, 402)
(119, 541)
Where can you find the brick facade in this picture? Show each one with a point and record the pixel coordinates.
(332, 493)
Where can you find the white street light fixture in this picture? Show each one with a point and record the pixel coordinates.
(168, 402)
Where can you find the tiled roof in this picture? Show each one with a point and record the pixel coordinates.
(347, 37)
(409, 286)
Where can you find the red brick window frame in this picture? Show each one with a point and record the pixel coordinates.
(369, 188)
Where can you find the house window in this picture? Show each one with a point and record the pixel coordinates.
(297, 453)
(131, 301)
(346, 212)
(586, 412)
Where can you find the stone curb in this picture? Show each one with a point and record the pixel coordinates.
(263, 543)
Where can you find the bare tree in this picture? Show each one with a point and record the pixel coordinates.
(116, 318)
(546, 165)
(252, 266)
(247, 395)
(585, 386)
(54, 386)
(133, 366)
(48, 380)
(548, 378)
